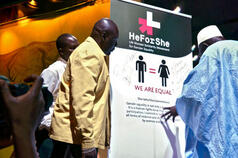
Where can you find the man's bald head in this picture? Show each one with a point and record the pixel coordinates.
(105, 33)
(65, 44)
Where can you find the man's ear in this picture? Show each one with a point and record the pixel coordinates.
(205, 44)
(104, 35)
(202, 47)
(60, 50)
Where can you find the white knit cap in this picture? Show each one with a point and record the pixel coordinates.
(207, 33)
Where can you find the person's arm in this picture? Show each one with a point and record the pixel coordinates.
(50, 79)
(24, 113)
(85, 70)
(145, 66)
(89, 153)
(188, 104)
(51, 82)
(159, 69)
(84, 75)
(167, 69)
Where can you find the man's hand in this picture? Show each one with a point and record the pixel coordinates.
(172, 112)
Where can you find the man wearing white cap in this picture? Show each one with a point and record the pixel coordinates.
(209, 102)
(208, 36)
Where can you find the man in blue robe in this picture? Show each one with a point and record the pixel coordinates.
(209, 103)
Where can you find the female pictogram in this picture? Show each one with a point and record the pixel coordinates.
(141, 67)
(164, 72)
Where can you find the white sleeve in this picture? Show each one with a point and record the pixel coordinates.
(50, 79)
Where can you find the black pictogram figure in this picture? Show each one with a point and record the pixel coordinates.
(141, 67)
(164, 72)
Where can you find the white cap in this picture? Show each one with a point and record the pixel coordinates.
(207, 33)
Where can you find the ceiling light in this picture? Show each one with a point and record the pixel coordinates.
(32, 4)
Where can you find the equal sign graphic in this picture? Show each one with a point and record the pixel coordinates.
(152, 70)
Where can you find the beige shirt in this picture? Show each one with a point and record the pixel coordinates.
(81, 111)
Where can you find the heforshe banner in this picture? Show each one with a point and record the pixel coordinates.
(147, 70)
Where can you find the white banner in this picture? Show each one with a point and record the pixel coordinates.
(143, 82)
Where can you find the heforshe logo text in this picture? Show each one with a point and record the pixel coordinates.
(148, 24)
(146, 27)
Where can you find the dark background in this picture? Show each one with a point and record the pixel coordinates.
(223, 13)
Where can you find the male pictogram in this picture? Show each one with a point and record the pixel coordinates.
(164, 72)
(141, 67)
